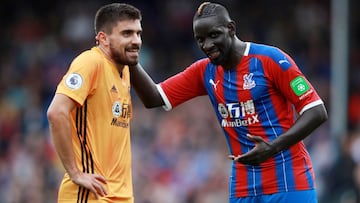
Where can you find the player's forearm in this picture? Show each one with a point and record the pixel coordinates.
(145, 87)
(61, 133)
(303, 127)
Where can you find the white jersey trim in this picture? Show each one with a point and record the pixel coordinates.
(247, 49)
(167, 105)
(309, 106)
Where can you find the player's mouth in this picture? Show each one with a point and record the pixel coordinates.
(133, 52)
(213, 55)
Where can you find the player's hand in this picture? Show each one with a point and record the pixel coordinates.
(260, 153)
(93, 182)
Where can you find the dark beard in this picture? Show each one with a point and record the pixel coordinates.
(119, 59)
(218, 61)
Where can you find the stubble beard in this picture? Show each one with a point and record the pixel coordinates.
(121, 58)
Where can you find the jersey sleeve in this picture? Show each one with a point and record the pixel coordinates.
(80, 81)
(291, 82)
(184, 85)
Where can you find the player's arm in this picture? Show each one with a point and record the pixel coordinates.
(308, 121)
(303, 127)
(145, 87)
(59, 123)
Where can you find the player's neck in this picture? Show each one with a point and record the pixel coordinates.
(107, 55)
(236, 54)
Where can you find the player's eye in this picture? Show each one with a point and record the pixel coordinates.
(127, 33)
(200, 40)
(214, 35)
(139, 33)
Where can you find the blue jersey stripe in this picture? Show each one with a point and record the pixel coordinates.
(309, 177)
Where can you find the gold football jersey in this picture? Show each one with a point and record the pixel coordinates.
(100, 126)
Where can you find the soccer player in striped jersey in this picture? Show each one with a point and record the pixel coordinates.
(89, 116)
(263, 102)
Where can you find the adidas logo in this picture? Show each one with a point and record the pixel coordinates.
(113, 89)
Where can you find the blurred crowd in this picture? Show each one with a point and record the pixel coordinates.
(178, 156)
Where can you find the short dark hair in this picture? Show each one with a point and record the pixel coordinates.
(108, 15)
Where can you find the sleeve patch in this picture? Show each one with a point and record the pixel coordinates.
(299, 85)
(74, 81)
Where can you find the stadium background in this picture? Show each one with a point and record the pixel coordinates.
(178, 156)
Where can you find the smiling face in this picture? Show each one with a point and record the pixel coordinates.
(125, 42)
(214, 37)
(118, 32)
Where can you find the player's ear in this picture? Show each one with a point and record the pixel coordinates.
(232, 28)
(102, 38)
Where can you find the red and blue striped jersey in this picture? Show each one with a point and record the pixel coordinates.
(261, 96)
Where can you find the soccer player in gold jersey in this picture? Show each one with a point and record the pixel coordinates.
(89, 116)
